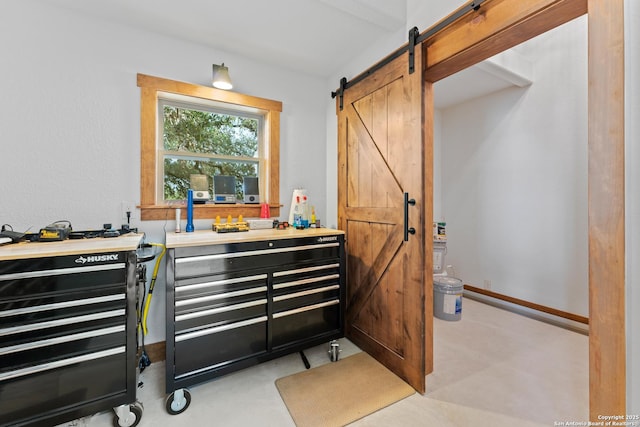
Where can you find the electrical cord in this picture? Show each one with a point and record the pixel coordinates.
(141, 272)
(143, 309)
(154, 276)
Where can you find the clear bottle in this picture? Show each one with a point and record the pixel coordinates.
(450, 271)
(304, 212)
(297, 214)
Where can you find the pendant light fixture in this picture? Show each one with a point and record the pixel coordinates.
(221, 78)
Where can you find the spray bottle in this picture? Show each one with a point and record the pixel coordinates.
(313, 217)
(297, 215)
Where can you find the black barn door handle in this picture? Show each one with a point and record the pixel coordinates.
(408, 230)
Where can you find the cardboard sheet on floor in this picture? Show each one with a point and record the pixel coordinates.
(336, 394)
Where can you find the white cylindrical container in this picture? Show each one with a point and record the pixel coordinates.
(296, 197)
(447, 298)
(178, 214)
(439, 251)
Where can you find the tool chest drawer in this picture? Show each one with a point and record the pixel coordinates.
(44, 336)
(306, 285)
(67, 344)
(215, 300)
(245, 256)
(293, 326)
(61, 384)
(232, 305)
(226, 344)
(226, 313)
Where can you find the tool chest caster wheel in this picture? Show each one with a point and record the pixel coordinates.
(127, 415)
(334, 351)
(178, 401)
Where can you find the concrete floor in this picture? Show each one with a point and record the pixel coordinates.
(493, 368)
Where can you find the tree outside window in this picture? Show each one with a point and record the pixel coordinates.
(207, 142)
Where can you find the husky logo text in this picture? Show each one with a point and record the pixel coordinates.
(97, 258)
(328, 239)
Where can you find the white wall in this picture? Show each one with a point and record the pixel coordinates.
(632, 187)
(424, 14)
(71, 120)
(514, 179)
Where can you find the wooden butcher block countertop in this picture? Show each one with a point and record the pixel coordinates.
(22, 250)
(207, 237)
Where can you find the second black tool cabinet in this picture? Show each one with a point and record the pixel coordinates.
(238, 299)
(67, 330)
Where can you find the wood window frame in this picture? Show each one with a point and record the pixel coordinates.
(151, 89)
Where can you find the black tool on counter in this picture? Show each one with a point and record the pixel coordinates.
(14, 236)
(109, 232)
(55, 232)
(59, 231)
(280, 225)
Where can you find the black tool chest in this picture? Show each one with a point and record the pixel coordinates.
(235, 301)
(67, 339)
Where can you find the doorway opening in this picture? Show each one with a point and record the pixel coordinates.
(510, 182)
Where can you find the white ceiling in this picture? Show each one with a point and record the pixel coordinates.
(310, 36)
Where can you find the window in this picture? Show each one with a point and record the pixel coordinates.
(199, 139)
(189, 129)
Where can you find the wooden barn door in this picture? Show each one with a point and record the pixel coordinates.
(381, 196)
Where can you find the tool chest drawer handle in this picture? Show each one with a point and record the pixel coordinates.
(305, 293)
(306, 270)
(254, 253)
(60, 363)
(61, 271)
(221, 296)
(191, 287)
(61, 322)
(223, 309)
(305, 281)
(222, 328)
(64, 304)
(307, 308)
(60, 340)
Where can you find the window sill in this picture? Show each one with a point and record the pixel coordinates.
(206, 211)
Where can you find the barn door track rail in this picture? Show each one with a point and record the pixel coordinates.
(415, 38)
